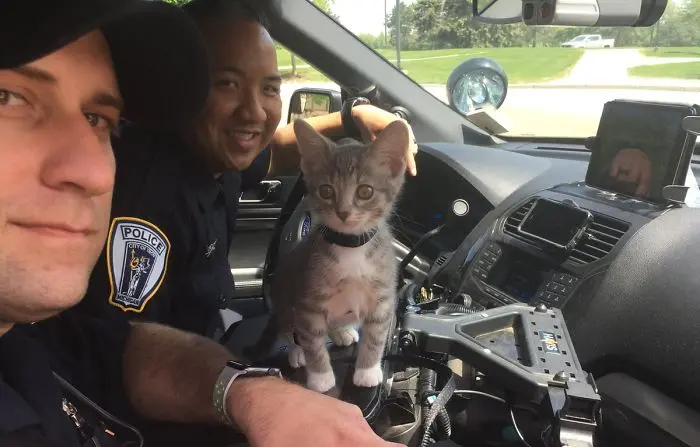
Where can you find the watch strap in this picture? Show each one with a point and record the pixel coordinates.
(349, 127)
(229, 373)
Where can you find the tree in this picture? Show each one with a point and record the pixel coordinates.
(407, 19)
(177, 2)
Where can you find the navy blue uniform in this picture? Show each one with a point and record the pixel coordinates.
(85, 351)
(166, 257)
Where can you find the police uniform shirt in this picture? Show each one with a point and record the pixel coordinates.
(166, 256)
(84, 351)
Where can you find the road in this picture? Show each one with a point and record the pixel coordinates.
(609, 67)
(555, 112)
(571, 107)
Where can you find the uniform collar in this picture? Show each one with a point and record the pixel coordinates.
(208, 187)
(347, 240)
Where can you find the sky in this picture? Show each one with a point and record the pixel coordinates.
(363, 16)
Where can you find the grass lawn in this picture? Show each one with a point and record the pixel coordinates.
(681, 70)
(672, 52)
(435, 66)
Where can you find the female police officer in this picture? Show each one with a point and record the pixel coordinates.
(59, 99)
(176, 194)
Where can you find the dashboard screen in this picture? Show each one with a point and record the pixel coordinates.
(522, 279)
(554, 223)
(640, 148)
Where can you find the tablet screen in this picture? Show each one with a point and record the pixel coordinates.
(639, 148)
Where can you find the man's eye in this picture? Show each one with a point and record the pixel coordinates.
(10, 99)
(99, 121)
(272, 90)
(227, 83)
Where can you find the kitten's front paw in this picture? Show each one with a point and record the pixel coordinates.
(344, 336)
(296, 357)
(368, 377)
(320, 382)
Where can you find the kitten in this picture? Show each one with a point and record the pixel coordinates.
(345, 272)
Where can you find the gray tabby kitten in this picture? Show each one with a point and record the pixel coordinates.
(330, 283)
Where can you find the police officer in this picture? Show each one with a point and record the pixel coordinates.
(176, 194)
(67, 68)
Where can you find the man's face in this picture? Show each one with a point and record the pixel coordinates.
(56, 176)
(244, 105)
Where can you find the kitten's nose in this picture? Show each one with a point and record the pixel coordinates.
(343, 215)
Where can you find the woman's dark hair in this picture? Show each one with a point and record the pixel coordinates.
(226, 9)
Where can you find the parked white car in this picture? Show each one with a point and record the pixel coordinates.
(589, 41)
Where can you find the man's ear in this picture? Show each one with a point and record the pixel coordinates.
(313, 146)
(391, 146)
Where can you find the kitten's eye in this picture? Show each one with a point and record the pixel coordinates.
(365, 192)
(326, 191)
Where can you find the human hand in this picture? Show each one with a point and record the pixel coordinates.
(632, 165)
(372, 120)
(278, 414)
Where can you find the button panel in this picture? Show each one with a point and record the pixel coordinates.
(556, 290)
(486, 260)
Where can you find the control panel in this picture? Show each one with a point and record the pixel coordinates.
(504, 275)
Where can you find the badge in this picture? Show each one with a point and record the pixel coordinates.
(306, 226)
(137, 257)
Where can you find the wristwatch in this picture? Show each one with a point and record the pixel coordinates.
(349, 127)
(232, 371)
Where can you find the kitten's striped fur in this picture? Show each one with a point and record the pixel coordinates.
(321, 289)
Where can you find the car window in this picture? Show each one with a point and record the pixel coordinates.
(553, 91)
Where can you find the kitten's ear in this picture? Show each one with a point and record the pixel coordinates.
(391, 146)
(313, 146)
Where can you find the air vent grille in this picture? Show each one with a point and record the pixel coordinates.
(441, 260)
(514, 220)
(602, 236)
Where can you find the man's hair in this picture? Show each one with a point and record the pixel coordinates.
(226, 9)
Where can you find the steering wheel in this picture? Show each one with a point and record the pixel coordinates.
(294, 223)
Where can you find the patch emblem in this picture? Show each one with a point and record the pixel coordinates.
(306, 226)
(137, 258)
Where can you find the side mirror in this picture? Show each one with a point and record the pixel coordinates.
(475, 84)
(308, 102)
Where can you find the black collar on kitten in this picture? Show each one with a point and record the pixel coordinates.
(347, 240)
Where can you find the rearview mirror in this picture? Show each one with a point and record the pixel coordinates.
(309, 102)
(498, 11)
(570, 12)
(475, 84)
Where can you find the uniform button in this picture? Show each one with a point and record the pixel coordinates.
(222, 300)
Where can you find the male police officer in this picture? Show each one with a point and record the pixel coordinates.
(166, 258)
(66, 67)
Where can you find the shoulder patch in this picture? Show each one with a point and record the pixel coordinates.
(137, 259)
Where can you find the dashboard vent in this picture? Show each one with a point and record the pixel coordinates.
(603, 234)
(441, 260)
(514, 220)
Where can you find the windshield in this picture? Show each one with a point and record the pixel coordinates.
(553, 91)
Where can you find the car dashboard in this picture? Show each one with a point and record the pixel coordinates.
(492, 261)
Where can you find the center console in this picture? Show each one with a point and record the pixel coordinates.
(516, 266)
(545, 248)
